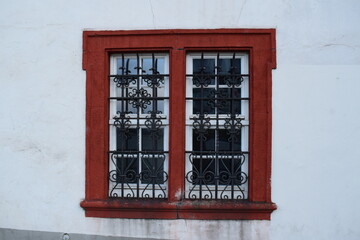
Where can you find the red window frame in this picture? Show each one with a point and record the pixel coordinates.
(97, 49)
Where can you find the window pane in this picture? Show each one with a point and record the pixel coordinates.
(205, 104)
(228, 142)
(129, 66)
(148, 68)
(127, 168)
(151, 105)
(127, 163)
(152, 169)
(230, 170)
(204, 169)
(153, 139)
(152, 165)
(204, 142)
(126, 140)
(228, 101)
(205, 66)
(227, 67)
(127, 106)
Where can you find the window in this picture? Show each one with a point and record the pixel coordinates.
(139, 103)
(178, 123)
(217, 125)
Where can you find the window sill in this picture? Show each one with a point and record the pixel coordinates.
(189, 209)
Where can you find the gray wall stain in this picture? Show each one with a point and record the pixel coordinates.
(14, 234)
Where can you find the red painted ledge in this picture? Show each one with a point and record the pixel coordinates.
(162, 209)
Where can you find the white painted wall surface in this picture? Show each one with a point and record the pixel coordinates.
(316, 114)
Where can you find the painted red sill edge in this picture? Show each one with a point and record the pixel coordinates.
(188, 209)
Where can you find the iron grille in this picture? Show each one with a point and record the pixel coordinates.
(138, 122)
(218, 125)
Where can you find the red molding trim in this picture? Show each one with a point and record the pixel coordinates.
(271, 32)
(99, 45)
(180, 209)
(180, 32)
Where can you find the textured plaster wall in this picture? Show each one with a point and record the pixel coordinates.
(316, 114)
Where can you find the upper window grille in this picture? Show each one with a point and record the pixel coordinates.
(217, 125)
(138, 122)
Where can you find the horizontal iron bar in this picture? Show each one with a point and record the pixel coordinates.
(135, 98)
(217, 152)
(211, 156)
(136, 155)
(144, 118)
(136, 152)
(217, 75)
(217, 98)
(224, 117)
(138, 75)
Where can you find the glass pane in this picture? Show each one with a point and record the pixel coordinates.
(147, 65)
(227, 67)
(127, 164)
(206, 105)
(204, 142)
(230, 167)
(128, 106)
(126, 140)
(152, 169)
(130, 65)
(152, 139)
(204, 169)
(161, 65)
(149, 106)
(159, 108)
(152, 164)
(127, 168)
(228, 142)
(204, 66)
(227, 106)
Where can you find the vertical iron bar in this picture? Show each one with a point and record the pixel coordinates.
(122, 72)
(153, 116)
(201, 117)
(122, 132)
(138, 128)
(240, 130)
(233, 115)
(217, 145)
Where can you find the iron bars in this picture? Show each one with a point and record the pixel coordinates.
(138, 103)
(217, 126)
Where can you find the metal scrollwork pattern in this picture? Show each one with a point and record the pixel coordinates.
(124, 81)
(127, 182)
(122, 122)
(201, 124)
(138, 164)
(139, 98)
(217, 164)
(233, 126)
(234, 80)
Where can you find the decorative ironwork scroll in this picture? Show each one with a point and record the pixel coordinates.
(217, 162)
(138, 159)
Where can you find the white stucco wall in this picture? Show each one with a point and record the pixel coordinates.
(316, 114)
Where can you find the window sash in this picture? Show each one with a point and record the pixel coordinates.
(133, 106)
(207, 172)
